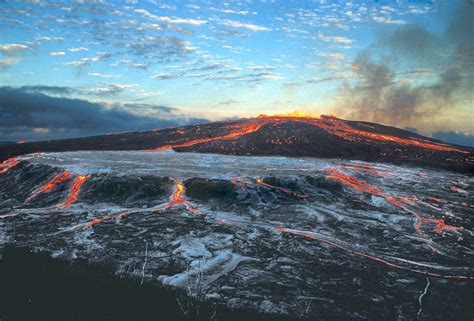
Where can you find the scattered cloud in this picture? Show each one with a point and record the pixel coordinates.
(335, 39)
(57, 53)
(243, 25)
(10, 54)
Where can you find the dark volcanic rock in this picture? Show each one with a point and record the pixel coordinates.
(327, 137)
(299, 238)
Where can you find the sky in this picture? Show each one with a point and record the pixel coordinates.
(78, 68)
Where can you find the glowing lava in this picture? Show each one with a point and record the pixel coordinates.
(75, 189)
(241, 130)
(51, 184)
(394, 200)
(176, 199)
(99, 220)
(316, 236)
(284, 190)
(8, 163)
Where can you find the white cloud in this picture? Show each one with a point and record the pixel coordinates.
(336, 39)
(57, 53)
(10, 54)
(11, 48)
(78, 49)
(193, 22)
(99, 75)
(231, 11)
(388, 21)
(248, 26)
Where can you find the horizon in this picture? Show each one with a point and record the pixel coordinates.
(84, 68)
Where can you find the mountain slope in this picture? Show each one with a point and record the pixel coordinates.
(327, 137)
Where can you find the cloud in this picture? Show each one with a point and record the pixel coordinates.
(99, 75)
(335, 39)
(57, 53)
(454, 138)
(148, 14)
(388, 20)
(193, 22)
(231, 11)
(78, 49)
(87, 61)
(110, 89)
(10, 54)
(247, 26)
(29, 115)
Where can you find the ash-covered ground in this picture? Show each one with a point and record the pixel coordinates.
(310, 238)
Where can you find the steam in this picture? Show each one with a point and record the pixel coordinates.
(381, 94)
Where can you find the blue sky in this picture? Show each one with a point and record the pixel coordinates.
(183, 61)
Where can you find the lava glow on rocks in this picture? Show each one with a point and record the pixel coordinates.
(8, 163)
(58, 179)
(74, 191)
(331, 124)
(176, 199)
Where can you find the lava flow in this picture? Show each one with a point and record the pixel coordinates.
(394, 200)
(8, 163)
(177, 199)
(241, 130)
(99, 220)
(51, 184)
(315, 236)
(284, 190)
(75, 189)
(341, 128)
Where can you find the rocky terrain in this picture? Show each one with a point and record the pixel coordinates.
(304, 238)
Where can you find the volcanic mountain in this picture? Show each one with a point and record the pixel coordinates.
(280, 135)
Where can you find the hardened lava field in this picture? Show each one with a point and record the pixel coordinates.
(301, 237)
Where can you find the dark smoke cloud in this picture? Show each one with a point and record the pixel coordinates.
(29, 115)
(381, 94)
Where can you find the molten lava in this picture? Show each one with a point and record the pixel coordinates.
(394, 200)
(8, 163)
(315, 236)
(58, 179)
(99, 220)
(176, 199)
(74, 191)
(241, 130)
(284, 190)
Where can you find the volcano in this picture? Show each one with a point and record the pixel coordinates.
(268, 218)
(294, 136)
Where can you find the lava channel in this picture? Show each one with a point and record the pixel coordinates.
(315, 236)
(74, 191)
(8, 163)
(394, 200)
(58, 179)
(176, 199)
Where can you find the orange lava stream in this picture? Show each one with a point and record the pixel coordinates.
(8, 163)
(75, 189)
(441, 226)
(377, 171)
(176, 199)
(99, 220)
(284, 190)
(51, 184)
(312, 235)
(241, 130)
(342, 129)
